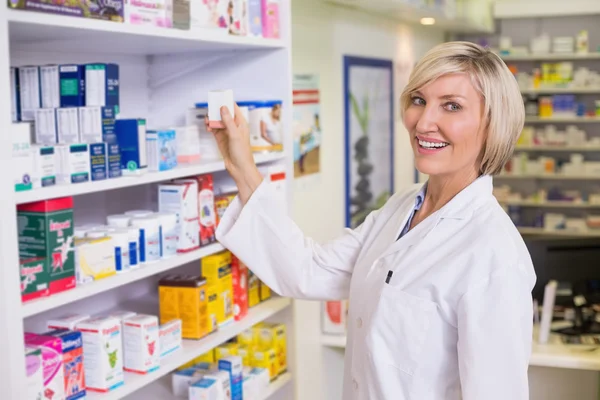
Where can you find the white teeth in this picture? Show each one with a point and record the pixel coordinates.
(430, 145)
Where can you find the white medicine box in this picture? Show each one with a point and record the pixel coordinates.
(29, 92)
(141, 344)
(50, 86)
(45, 166)
(45, 126)
(22, 156)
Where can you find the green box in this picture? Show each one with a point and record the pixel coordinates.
(46, 231)
(35, 282)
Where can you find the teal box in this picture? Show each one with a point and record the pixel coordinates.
(131, 137)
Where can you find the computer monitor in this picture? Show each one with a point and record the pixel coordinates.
(573, 260)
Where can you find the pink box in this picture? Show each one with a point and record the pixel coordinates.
(149, 12)
(52, 360)
(270, 18)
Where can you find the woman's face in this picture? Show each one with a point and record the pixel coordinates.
(445, 126)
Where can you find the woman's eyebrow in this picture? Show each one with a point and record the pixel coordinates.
(452, 96)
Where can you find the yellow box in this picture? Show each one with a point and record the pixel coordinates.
(265, 291)
(253, 289)
(273, 336)
(94, 259)
(212, 292)
(226, 350)
(217, 270)
(246, 338)
(266, 359)
(184, 297)
(245, 353)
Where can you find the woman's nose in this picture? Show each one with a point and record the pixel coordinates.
(428, 120)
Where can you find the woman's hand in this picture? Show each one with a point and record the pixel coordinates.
(234, 145)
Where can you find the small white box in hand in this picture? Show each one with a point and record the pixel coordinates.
(216, 100)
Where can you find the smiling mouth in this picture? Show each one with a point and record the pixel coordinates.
(432, 145)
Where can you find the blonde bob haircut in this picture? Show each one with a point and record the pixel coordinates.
(504, 112)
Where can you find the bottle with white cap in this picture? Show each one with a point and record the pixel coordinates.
(138, 213)
(118, 220)
(149, 243)
(168, 234)
(121, 242)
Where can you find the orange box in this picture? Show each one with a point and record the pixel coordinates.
(184, 297)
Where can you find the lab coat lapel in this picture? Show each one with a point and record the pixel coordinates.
(460, 207)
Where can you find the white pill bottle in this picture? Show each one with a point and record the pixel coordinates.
(168, 234)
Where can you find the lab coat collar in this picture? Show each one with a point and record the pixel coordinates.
(460, 207)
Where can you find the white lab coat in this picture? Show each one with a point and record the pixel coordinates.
(456, 316)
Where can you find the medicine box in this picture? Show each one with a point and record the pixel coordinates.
(246, 338)
(104, 9)
(233, 365)
(255, 18)
(169, 337)
(245, 353)
(44, 166)
(45, 126)
(249, 387)
(34, 377)
(141, 344)
(67, 322)
(22, 156)
(52, 361)
(102, 85)
(131, 137)
(184, 297)
(188, 144)
(102, 352)
(97, 124)
(206, 208)
(73, 163)
(98, 161)
(266, 359)
(225, 350)
(265, 291)
(72, 85)
(204, 389)
(114, 160)
(182, 379)
(223, 383)
(214, 304)
(122, 315)
(50, 86)
(161, 146)
(262, 377)
(15, 103)
(273, 336)
(270, 18)
(46, 231)
(182, 200)
(216, 269)
(334, 316)
(181, 14)
(72, 361)
(239, 277)
(35, 279)
(94, 259)
(239, 16)
(149, 12)
(29, 91)
(253, 289)
(67, 125)
(209, 15)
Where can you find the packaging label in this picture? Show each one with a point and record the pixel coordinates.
(35, 280)
(98, 164)
(72, 85)
(44, 161)
(45, 126)
(50, 82)
(67, 129)
(29, 85)
(114, 160)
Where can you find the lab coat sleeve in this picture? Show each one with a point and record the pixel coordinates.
(495, 320)
(262, 236)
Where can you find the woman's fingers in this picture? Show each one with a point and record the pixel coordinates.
(228, 120)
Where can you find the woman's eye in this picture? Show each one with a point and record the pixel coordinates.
(452, 107)
(418, 101)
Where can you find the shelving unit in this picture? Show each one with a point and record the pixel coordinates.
(550, 204)
(551, 56)
(163, 72)
(556, 232)
(562, 120)
(589, 90)
(557, 148)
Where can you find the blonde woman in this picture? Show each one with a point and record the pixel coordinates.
(439, 279)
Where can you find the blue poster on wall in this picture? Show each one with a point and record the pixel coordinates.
(369, 135)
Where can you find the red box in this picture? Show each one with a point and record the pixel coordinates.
(207, 213)
(239, 274)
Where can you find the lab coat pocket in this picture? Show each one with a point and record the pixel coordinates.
(399, 329)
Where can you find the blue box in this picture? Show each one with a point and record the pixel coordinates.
(162, 150)
(131, 137)
(72, 85)
(72, 348)
(233, 365)
(102, 85)
(98, 161)
(113, 154)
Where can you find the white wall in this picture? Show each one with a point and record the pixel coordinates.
(321, 36)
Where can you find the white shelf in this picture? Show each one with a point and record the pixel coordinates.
(83, 291)
(557, 148)
(575, 120)
(182, 171)
(540, 9)
(40, 31)
(549, 177)
(162, 389)
(549, 204)
(194, 348)
(562, 233)
(550, 57)
(338, 341)
(561, 91)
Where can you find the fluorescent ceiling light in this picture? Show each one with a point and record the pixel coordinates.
(427, 21)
